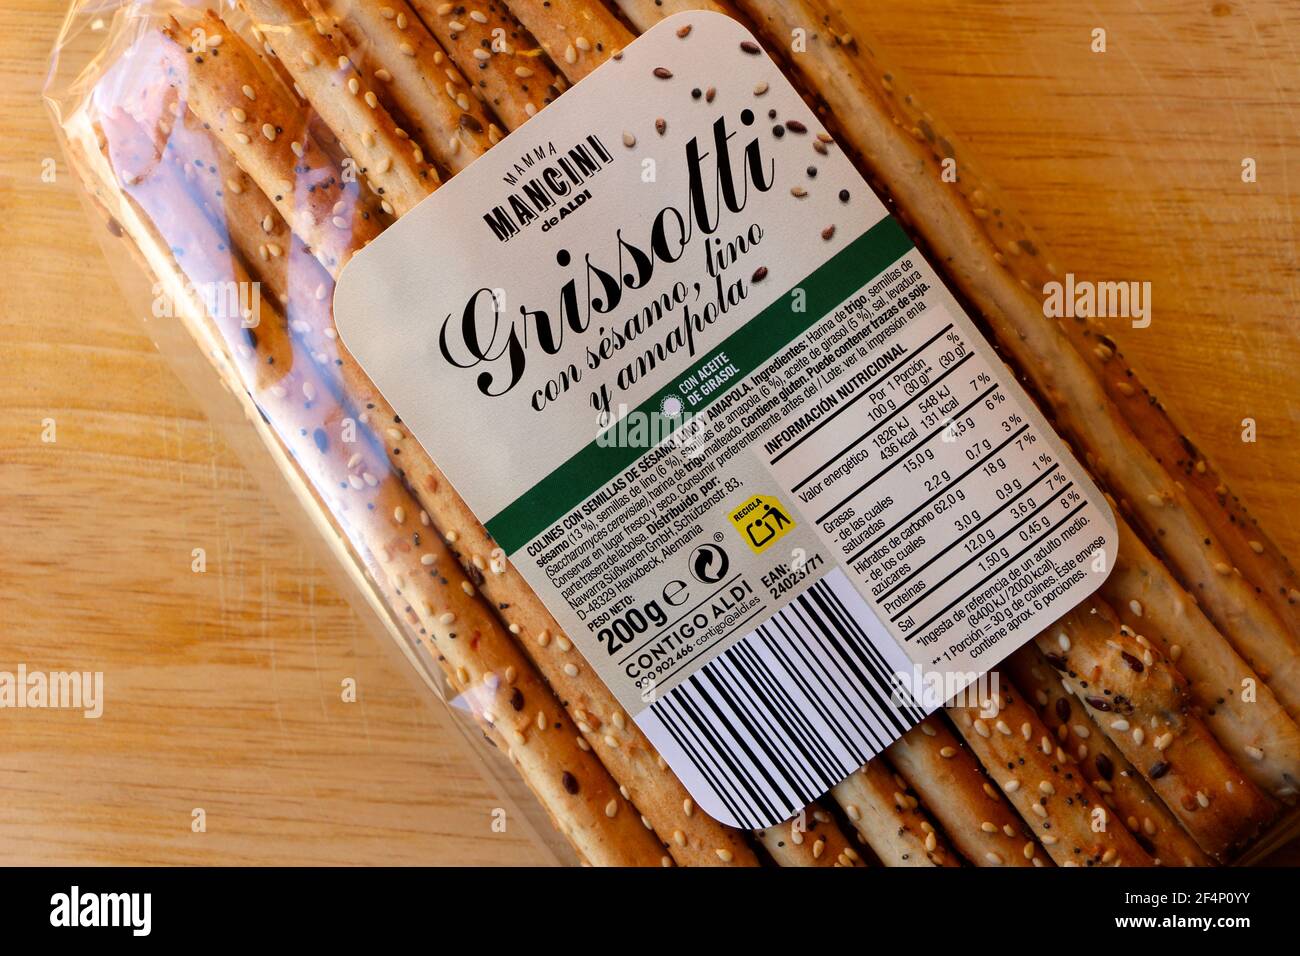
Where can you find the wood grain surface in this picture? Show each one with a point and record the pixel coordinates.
(223, 689)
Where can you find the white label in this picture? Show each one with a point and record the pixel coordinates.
(726, 420)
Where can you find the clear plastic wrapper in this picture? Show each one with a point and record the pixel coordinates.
(233, 159)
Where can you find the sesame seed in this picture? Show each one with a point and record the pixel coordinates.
(238, 114)
(571, 670)
(406, 48)
(371, 100)
(249, 92)
(1163, 741)
(242, 139)
(1011, 786)
(570, 54)
(401, 21)
(993, 858)
(523, 72)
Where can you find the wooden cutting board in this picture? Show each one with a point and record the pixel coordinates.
(223, 689)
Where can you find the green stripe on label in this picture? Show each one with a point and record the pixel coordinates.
(747, 348)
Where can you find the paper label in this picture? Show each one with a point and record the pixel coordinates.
(725, 420)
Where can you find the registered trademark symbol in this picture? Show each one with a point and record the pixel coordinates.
(718, 536)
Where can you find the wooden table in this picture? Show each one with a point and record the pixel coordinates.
(223, 688)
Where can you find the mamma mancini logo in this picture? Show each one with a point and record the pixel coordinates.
(550, 185)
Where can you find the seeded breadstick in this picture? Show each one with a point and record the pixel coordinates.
(495, 683)
(889, 820)
(1143, 704)
(405, 64)
(643, 14)
(578, 35)
(1249, 548)
(859, 96)
(694, 837)
(1256, 732)
(812, 838)
(393, 166)
(1047, 789)
(954, 789)
(264, 128)
(1102, 763)
(505, 69)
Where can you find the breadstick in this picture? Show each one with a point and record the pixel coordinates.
(889, 820)
(228, 94)
(1257, 732)
(494, 681)
(812, 838)
(1143, 705)
(1250, 550)
(578, 35)
(694, 837)
(1103, 764)
(1260, 560)
(858, 94)
(643, 14)
(954, 789)
(1047, 789)
(393, 165)
(405, 64)
(502, 62)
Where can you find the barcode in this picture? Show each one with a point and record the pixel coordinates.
(789, 710)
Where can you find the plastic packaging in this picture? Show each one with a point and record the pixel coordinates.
(177, 124)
